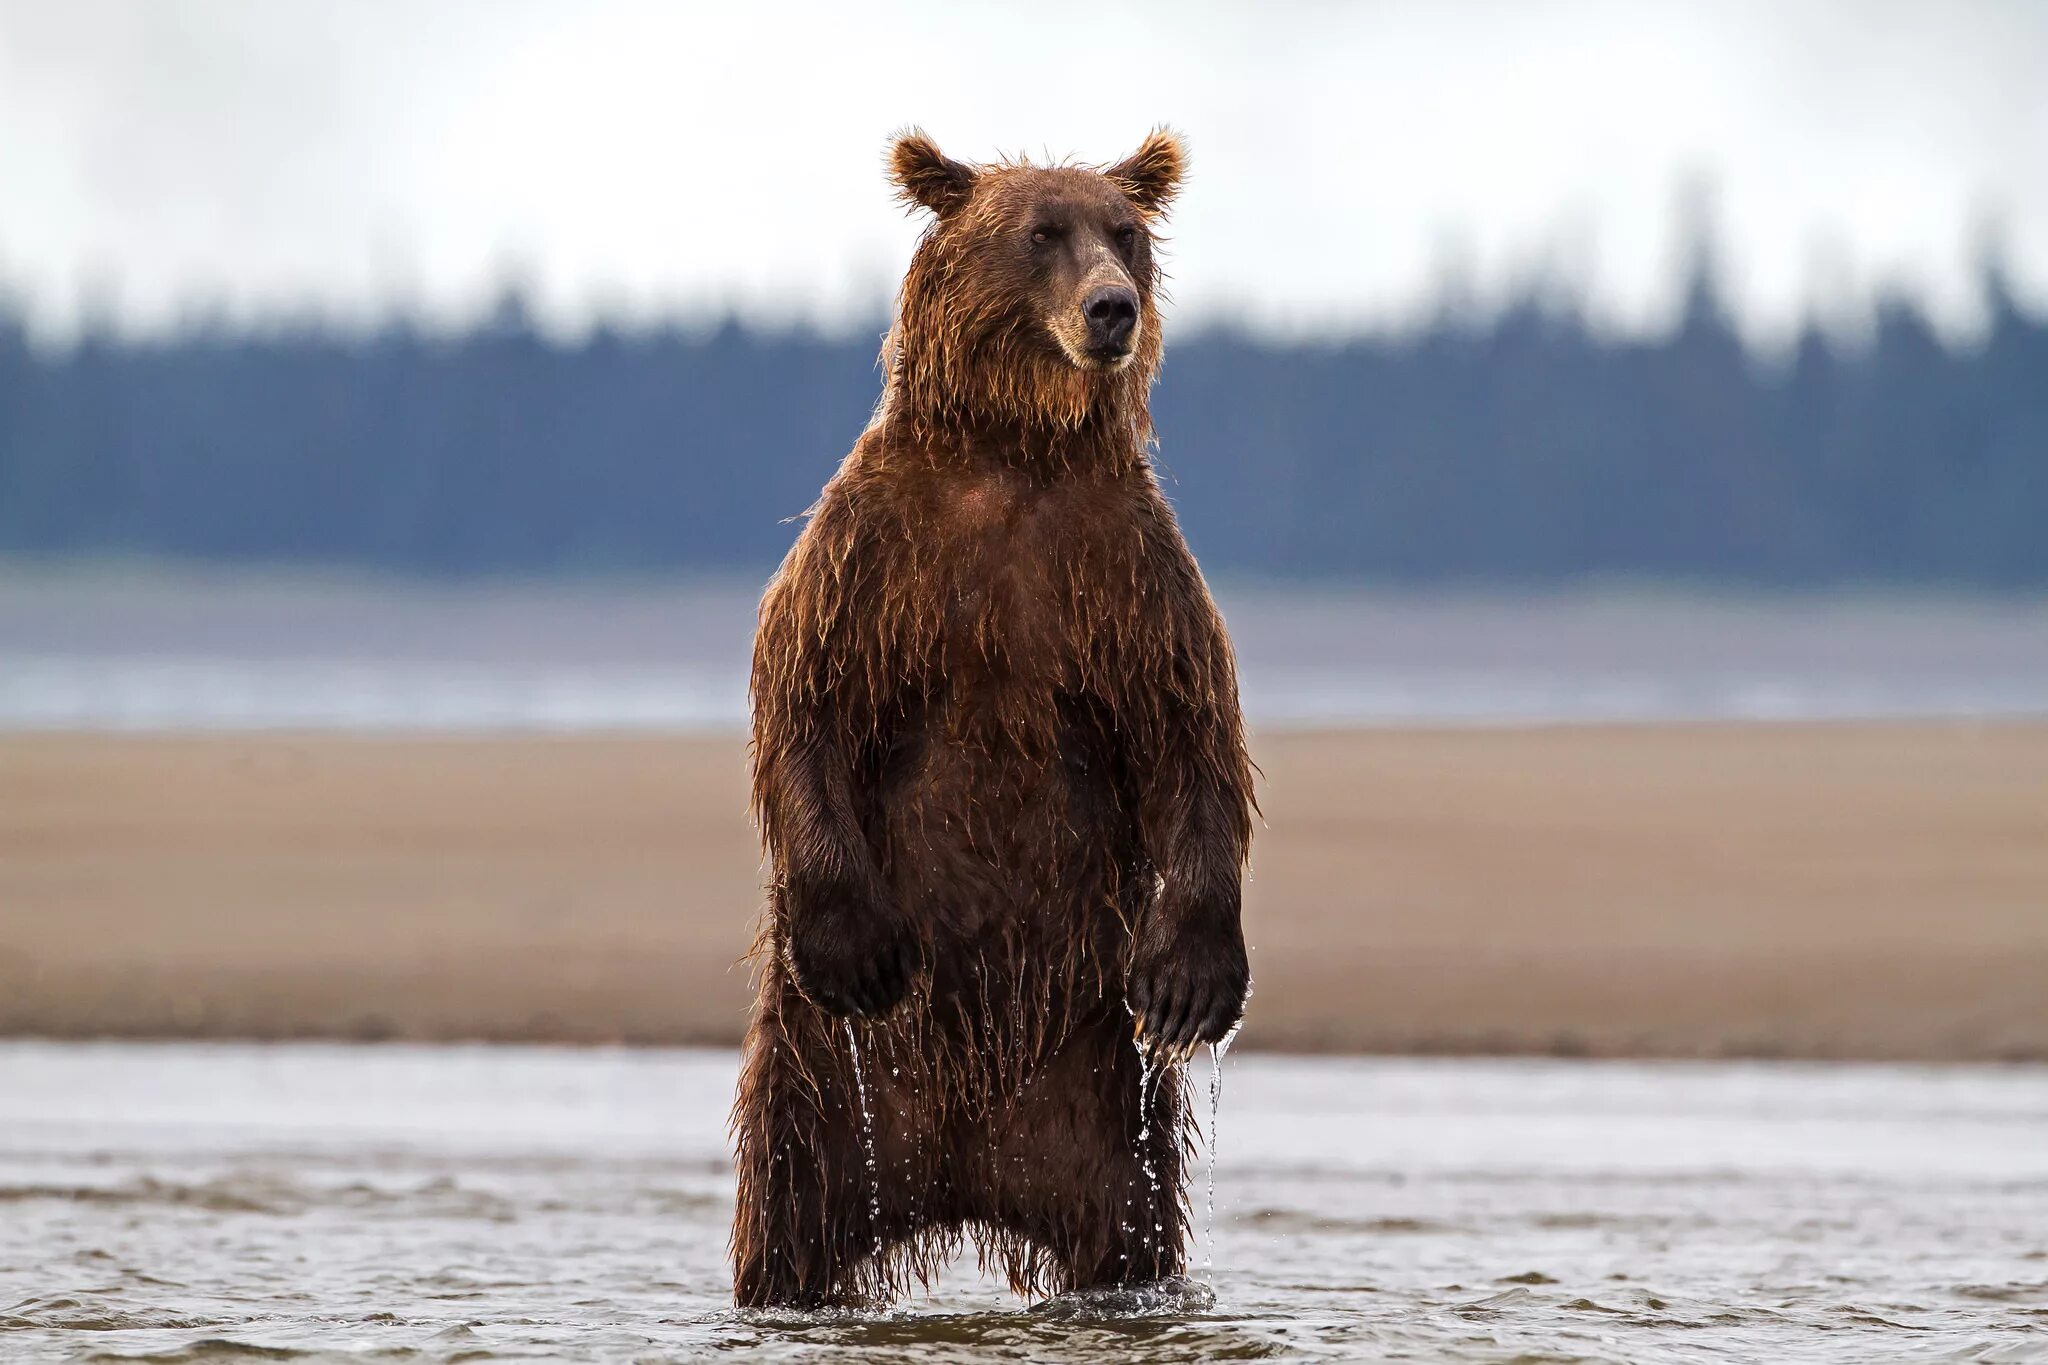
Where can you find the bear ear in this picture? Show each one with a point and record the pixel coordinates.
(1151, 175)
(926, 177)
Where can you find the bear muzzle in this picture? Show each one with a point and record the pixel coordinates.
(1111, 311)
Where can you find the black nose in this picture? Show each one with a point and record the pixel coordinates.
(1112, 313)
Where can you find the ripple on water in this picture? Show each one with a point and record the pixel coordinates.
(107, 1310)
(208, 1352)
(263, 1192)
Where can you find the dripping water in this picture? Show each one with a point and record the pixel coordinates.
(867, 1138)
(1148, 1077)
(1217, 1051)
(1215, 1108)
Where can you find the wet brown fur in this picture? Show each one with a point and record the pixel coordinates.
(1001, 780)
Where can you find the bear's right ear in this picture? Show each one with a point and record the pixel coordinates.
(925, 176)
(1151, 175)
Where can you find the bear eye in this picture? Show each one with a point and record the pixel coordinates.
(1044, 232)
(1126, 235)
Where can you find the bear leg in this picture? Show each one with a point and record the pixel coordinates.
(1080, 1185)
(816, 1224)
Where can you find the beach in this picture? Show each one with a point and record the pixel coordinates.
(1820, 890)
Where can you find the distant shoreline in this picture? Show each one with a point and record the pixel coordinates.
(1829, 891)
(143, 653)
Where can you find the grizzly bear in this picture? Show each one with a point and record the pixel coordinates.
(1001, 780)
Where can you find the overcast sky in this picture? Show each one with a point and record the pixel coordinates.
(633, 156)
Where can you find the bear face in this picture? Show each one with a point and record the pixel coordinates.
(1033, 295)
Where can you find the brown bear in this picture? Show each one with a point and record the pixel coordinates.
(1001, 780)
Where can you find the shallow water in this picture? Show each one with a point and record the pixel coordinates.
(240, 1203)
(151, 651)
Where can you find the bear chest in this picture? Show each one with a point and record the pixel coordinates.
(1010, 592)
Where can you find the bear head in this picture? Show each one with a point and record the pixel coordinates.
(1032, 299)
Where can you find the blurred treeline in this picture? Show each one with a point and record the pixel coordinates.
(1523, 447)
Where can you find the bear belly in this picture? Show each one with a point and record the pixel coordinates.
(1014, 845)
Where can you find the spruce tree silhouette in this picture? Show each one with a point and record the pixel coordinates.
(1525, 448)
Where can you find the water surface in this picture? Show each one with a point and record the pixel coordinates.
(246, 652)
(193, 1202)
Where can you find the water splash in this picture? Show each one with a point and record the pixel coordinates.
(1175, 1296)
(867, 1137)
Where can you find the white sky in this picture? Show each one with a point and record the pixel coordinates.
(636, 156)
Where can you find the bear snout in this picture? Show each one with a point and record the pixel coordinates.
(1112, 314)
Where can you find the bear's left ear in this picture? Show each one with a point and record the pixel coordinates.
(925, 176)
(1151, 175)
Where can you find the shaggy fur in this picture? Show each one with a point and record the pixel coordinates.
(1001, 780)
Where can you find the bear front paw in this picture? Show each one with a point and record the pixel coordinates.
(1189, 987)
(849, 958)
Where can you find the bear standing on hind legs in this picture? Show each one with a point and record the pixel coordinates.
(1001, 779)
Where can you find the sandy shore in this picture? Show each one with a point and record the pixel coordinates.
(1827, 891)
